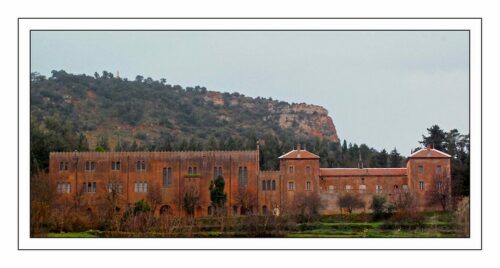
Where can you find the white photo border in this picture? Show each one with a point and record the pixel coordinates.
(472, 25)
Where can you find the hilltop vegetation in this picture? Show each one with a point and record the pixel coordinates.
(79, 112)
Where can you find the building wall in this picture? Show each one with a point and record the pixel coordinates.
(296, 171)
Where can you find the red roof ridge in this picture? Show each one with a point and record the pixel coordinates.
(299, 154)
(432, 153)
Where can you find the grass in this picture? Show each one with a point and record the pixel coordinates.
(330, 226)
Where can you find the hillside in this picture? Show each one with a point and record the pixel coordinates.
(146, 111)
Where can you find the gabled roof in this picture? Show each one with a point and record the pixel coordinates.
(299, 154)
(429, 153)
(339, 172)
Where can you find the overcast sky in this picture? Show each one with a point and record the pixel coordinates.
(381, 88)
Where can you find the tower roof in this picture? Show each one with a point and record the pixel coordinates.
(429, 153)
(299, 154)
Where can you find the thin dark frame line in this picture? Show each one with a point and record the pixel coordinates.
(249, 30)
(253, 18)
(18, 75)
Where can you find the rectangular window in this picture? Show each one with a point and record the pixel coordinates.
(167, 177)
(63, 166)
(439, 170)
(242, 177)
(291, 186)
(421, 185)
(140, 165)
(362, 188)
(348, 188)
(378, 189)
(89, 166)
(141, 187)
(290, 169)
(268, 184)
(308, 186)
(114, 187)
(195, 171)
(273, 185)
(263, 185)
(64, 187)
(439, 185)
(89, 187)
(420, 169)
(308, 170)
(331, 188)
(115, 165)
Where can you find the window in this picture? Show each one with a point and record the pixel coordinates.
(192, 170)
(140, 165)
(63, 166)
(396, 188)
(439, 170)
(420, 169)
(167, 177)
(89, 187)
(268, 184)
(290, 169)
(378, 189)
(421, 185)
(273, 185)
(308, 186)
(404, 187)
(89, 166)
(114, 187)
(115, 165)
(242, 177)
(141, 187)
(331, 188)
(308, 170)
(439, 184)
(362, 188)
(348, 188)
(291, 186)
(263, 185)
(64, 187)
(217, 172)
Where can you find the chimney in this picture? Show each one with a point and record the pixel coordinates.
(298, 146)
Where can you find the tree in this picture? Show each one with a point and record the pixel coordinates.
(190, 199)
(307, 206)
(217, 194)
(246, 200)
(139, 78)
(379, 207)
(440, 193)
(436, 138)
(395, 159)
(350, 201)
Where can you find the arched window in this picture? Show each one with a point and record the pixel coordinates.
(269, 184)
(263, 185)
(273, 185)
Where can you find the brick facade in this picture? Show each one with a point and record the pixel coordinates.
(135, 175)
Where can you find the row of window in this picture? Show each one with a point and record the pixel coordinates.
(439, 169)
(291, 186)
(291, 170)
(268, 185)
(378, 188)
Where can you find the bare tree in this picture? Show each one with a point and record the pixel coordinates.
(190, 199)
(307, 205)
(440, 193)
(154, 196)
(246, 199)
(41, 197)
(350, 201)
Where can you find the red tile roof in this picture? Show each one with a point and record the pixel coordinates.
(299, 154)
(429, 153)
(339, 172)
